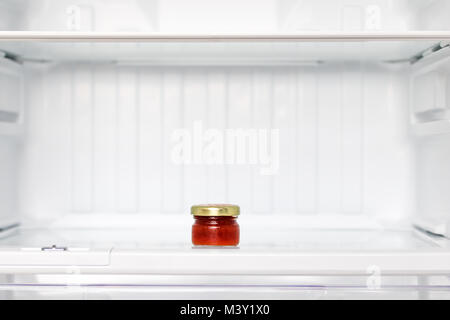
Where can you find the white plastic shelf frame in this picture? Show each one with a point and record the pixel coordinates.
(251, 49)
(288, 246)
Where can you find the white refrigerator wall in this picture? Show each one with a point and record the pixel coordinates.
(10, 127)
(97, 138)
(93, 133)
(100, 139)
(433, 170)
(430, 106)
(8, 180)
(235, 16)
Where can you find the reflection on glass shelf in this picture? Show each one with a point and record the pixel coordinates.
(199, 52)
(253, 239)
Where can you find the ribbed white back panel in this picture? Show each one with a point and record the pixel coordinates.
(98, 139)
(8, 181)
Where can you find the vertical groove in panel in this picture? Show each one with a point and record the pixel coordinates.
(351, 141)
(376, 143)
(92, 136)
(127, 148)
(150, 140)
(105, 106)
(227, 123)
(329, 141)
(64, 132)
(252, 126)
(239, 95)
(262, 119)
(362, 132)
(82, 140)
(180, 121)
(295, 130)
(28, 175)
(378, 168)
(162, 141)
(307, 142)
(316, 136)
(194, 111)
(341, 131)
(216, 118)
(370, 116)
(138, 142)
(46, 134)
(36, 149)
(173, 171)
(272, 125)
(296, 140)
(285, 121)
(57, 149)
(71, 134)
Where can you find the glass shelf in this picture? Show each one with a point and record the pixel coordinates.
(303, 49)
(266, 248)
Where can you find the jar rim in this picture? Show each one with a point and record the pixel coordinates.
(215, 210)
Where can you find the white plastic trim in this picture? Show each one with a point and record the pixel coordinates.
(305, 36)
(226, 262)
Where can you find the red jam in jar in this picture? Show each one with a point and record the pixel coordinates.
(215, 225)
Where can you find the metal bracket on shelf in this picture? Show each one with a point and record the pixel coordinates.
(435, 227)
(424, 54)
(9, 227)
(11, 56)
(18, 59)
(54, 248)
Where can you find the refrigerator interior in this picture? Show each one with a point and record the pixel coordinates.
(349, 112)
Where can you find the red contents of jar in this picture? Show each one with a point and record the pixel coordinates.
(215, 231)
(215, 225)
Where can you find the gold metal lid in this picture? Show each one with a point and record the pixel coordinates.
(215, 210)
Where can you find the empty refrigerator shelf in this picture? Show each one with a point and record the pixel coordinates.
(257, 49)
(264, 250)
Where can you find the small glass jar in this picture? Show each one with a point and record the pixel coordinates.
(215, 225)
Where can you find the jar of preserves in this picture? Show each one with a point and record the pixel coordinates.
(215, 225)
